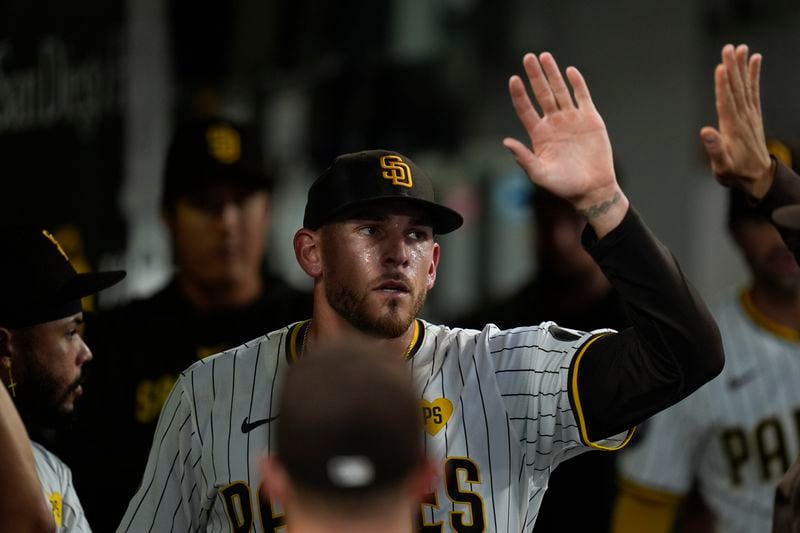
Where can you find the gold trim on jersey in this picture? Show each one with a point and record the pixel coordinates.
(415, 341)
(293, 350)
(648, 493)
(762, 320)
(579, 409)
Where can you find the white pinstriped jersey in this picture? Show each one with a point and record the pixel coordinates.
(736, 435)
(56, 479)
(498, 419)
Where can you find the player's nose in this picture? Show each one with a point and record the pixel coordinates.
(396, 251)
(84, 353)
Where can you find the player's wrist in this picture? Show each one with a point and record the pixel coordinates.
(764, 179)
(605, 210)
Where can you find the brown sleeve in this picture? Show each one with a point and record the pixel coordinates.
(673, 348)
(785, 190)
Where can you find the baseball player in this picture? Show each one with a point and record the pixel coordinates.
(41, 350)
(740, 159)
(346, 462)
(216, 204)
(501, 409)
(739, 434)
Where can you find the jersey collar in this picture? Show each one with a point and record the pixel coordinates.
(297, 332)
(763, 321)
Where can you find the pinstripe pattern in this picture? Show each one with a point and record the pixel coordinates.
(56, 478)
(755, 402)
(511, 424)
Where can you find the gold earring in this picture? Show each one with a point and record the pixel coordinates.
(12, 385)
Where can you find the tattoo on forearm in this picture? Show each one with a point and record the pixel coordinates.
(600, 209)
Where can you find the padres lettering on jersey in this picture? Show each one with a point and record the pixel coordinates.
(497, 415)
(736, 435)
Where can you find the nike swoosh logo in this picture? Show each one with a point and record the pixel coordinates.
(737, 382)
(248, 426)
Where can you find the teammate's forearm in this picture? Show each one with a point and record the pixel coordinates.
(785, 190)
(673, 347)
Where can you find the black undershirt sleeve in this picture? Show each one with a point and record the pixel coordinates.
(672, 348)
(785, 190)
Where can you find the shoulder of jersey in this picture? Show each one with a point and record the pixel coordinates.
(247, 350)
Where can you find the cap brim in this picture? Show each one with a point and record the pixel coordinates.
(787, 216)
(90, 283)
(443, 219)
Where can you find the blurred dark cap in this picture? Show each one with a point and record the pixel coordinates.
(212, 151)
(362, 178)
(39, 282)
(349, 422)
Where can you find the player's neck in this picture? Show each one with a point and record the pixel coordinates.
(397, 520)
(779, 305)
(221, 297)
(329, 327)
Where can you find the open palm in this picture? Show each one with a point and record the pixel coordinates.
(738, 149)
(570, 154)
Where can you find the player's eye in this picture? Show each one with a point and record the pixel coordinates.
(368, 230)
(420, 234)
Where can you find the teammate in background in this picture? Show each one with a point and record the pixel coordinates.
(737, 151)
(22, 508)
(738, 435)
(216, 205)
(569, 288)
(345, 462)
(501, 409)
(42, 352)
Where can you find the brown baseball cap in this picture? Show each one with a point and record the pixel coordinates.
(357, 179)
(349, 422)
(209, 151)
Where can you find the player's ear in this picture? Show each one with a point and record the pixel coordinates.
(6, 354)
(434, 265)
(307, 252)
(6, 349)
(275, 479)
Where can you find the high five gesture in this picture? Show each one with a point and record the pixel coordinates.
(570, 153)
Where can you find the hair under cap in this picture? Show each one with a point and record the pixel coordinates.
(349, 422)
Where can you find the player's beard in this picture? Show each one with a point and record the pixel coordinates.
(782, 283)
(353, 306)
(42, 400)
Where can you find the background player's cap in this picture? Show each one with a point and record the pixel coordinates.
(787, 216)
(205, 152)
(354, 180)
(349, 422)
(38, 282)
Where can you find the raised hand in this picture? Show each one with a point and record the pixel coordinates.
(570, 152)
(738, 149)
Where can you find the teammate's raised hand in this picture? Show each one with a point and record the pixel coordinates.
(570, 152)
(738, 149)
